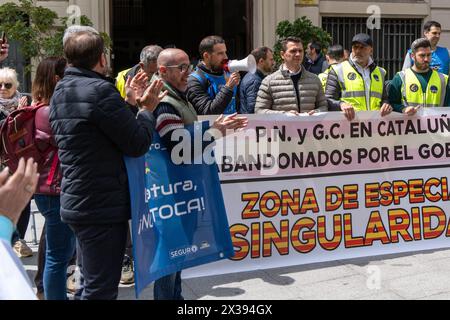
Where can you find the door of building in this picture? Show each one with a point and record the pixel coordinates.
(178, 23)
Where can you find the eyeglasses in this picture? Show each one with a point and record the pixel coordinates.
(183, 67)
(6, 85)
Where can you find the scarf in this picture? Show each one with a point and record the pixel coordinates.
(9, 105)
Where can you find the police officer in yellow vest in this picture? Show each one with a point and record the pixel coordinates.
(335, 55)
(358, 84)
(419, 86)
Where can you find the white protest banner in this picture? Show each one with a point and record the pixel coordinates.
(314, 189)
(14, 282)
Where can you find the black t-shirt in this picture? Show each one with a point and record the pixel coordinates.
(295, 79)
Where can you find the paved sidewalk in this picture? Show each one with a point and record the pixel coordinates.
(424, 275)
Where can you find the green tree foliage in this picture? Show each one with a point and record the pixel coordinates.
(302, 28)
(38, 30)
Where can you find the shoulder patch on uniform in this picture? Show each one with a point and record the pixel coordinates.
(351, 76)
(414, 88)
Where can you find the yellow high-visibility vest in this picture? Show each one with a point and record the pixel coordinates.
(412, 91)
(324, 77)
(354, 90)
(120, 82)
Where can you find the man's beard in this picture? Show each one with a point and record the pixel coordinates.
(268, 69)
(218, 68)
(359, 59)
(422, 66)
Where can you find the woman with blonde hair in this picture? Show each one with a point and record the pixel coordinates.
(10, 98)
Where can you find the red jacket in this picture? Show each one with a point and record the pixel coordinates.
(50, 172)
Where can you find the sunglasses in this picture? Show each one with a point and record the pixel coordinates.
(6, 85)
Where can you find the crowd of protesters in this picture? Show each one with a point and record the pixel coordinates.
(87, 122)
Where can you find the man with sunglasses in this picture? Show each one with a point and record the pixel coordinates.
(211, 90)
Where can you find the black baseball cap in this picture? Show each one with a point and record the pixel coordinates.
(363, 38)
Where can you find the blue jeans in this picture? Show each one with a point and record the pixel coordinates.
(168, 288)
(60, 241)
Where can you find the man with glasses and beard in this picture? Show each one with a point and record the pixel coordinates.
(172, 114)
(420, 85)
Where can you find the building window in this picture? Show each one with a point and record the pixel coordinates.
(129, 12)
(391, 42)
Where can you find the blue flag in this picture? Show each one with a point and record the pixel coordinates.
(178, 215)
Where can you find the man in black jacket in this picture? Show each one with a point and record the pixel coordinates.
(315, 61)
(251, 82)
(94, 130)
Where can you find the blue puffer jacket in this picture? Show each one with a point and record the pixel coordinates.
(94, 129)
(249, 91)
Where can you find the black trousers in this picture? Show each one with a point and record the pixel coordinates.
(129, 245)
(101, 252)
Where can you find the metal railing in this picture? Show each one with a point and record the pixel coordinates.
(391, 41)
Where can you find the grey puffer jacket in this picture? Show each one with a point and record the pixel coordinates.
(277, 94)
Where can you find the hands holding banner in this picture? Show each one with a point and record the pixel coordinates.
(350, 112)
(386, 109)
(411, 111)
